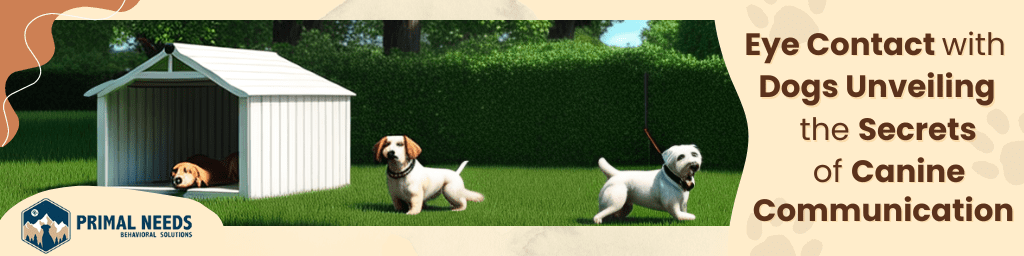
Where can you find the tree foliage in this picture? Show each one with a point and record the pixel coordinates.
(591, 32)
(403, 35)
(661, 33)
(445, 35)
(449, 33)
(354, 33)
(289, 31)
(538, 95)
(696, 37)
(148, 35)
(82, 46)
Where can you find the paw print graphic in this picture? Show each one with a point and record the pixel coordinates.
(1010, 161)
(788, 21)
(779, 243)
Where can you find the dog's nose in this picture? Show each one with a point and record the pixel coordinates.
(177, 181)
(391, 154)
(694, 167)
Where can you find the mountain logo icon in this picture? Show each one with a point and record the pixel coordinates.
(45, 225)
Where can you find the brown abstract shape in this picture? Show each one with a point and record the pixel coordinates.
(15, 16)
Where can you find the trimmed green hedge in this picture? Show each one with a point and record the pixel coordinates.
(555, 103)
(56, 90)
(544, 104)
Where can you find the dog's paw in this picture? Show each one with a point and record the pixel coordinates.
(686, 216)
(788, 21)
(412, 212)
(1012, 166)
(778, 240)
(597, 220)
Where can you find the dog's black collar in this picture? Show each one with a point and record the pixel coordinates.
(399, 175)
(676, 179)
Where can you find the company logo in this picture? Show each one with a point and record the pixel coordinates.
(45, 225)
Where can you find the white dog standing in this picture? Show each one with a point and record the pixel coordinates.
(411, 184)
(666, 189)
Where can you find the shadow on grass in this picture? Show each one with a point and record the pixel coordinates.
(264, 223)
(629, 221)
(389, 208)
(53, 135)
(82, 183)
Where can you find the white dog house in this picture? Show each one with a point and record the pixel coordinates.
(290, 126)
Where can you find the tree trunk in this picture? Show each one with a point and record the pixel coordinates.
(287, 31)
(562, 29)
(312, 24)
(566, 29)
(401, 34)
(148, 46)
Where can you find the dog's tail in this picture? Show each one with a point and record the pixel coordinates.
(466, 193)
(473, 196)
(607, 168)
(463, 165)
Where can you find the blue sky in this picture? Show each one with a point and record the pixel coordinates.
(624, 34)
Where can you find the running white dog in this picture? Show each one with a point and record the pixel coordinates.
(667, 189)
(410, 184)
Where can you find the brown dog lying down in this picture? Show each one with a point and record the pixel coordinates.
(202, 171)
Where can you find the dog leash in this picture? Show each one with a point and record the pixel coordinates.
(652, 141)
(645, 115)
(401, 174)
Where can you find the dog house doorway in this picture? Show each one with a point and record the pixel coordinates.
(290, 127)
(158, 123)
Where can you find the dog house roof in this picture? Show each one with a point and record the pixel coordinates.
(242, 72)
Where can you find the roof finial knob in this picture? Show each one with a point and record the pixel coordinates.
(169, 48)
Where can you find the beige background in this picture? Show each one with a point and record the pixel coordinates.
(210, 237)
(779, 163)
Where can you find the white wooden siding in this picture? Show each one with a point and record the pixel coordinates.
(102, 142)
(145, 131)
(296, 144)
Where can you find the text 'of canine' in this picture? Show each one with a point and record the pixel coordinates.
(411, 184)
(666, 189)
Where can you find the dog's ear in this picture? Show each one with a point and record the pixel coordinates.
(197, 175)
(412, 149)
(176, 169)
(668, 155)
(377, 147)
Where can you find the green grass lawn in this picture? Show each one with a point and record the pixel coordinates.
(52, 149)
(531, 196)
(57, 149)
